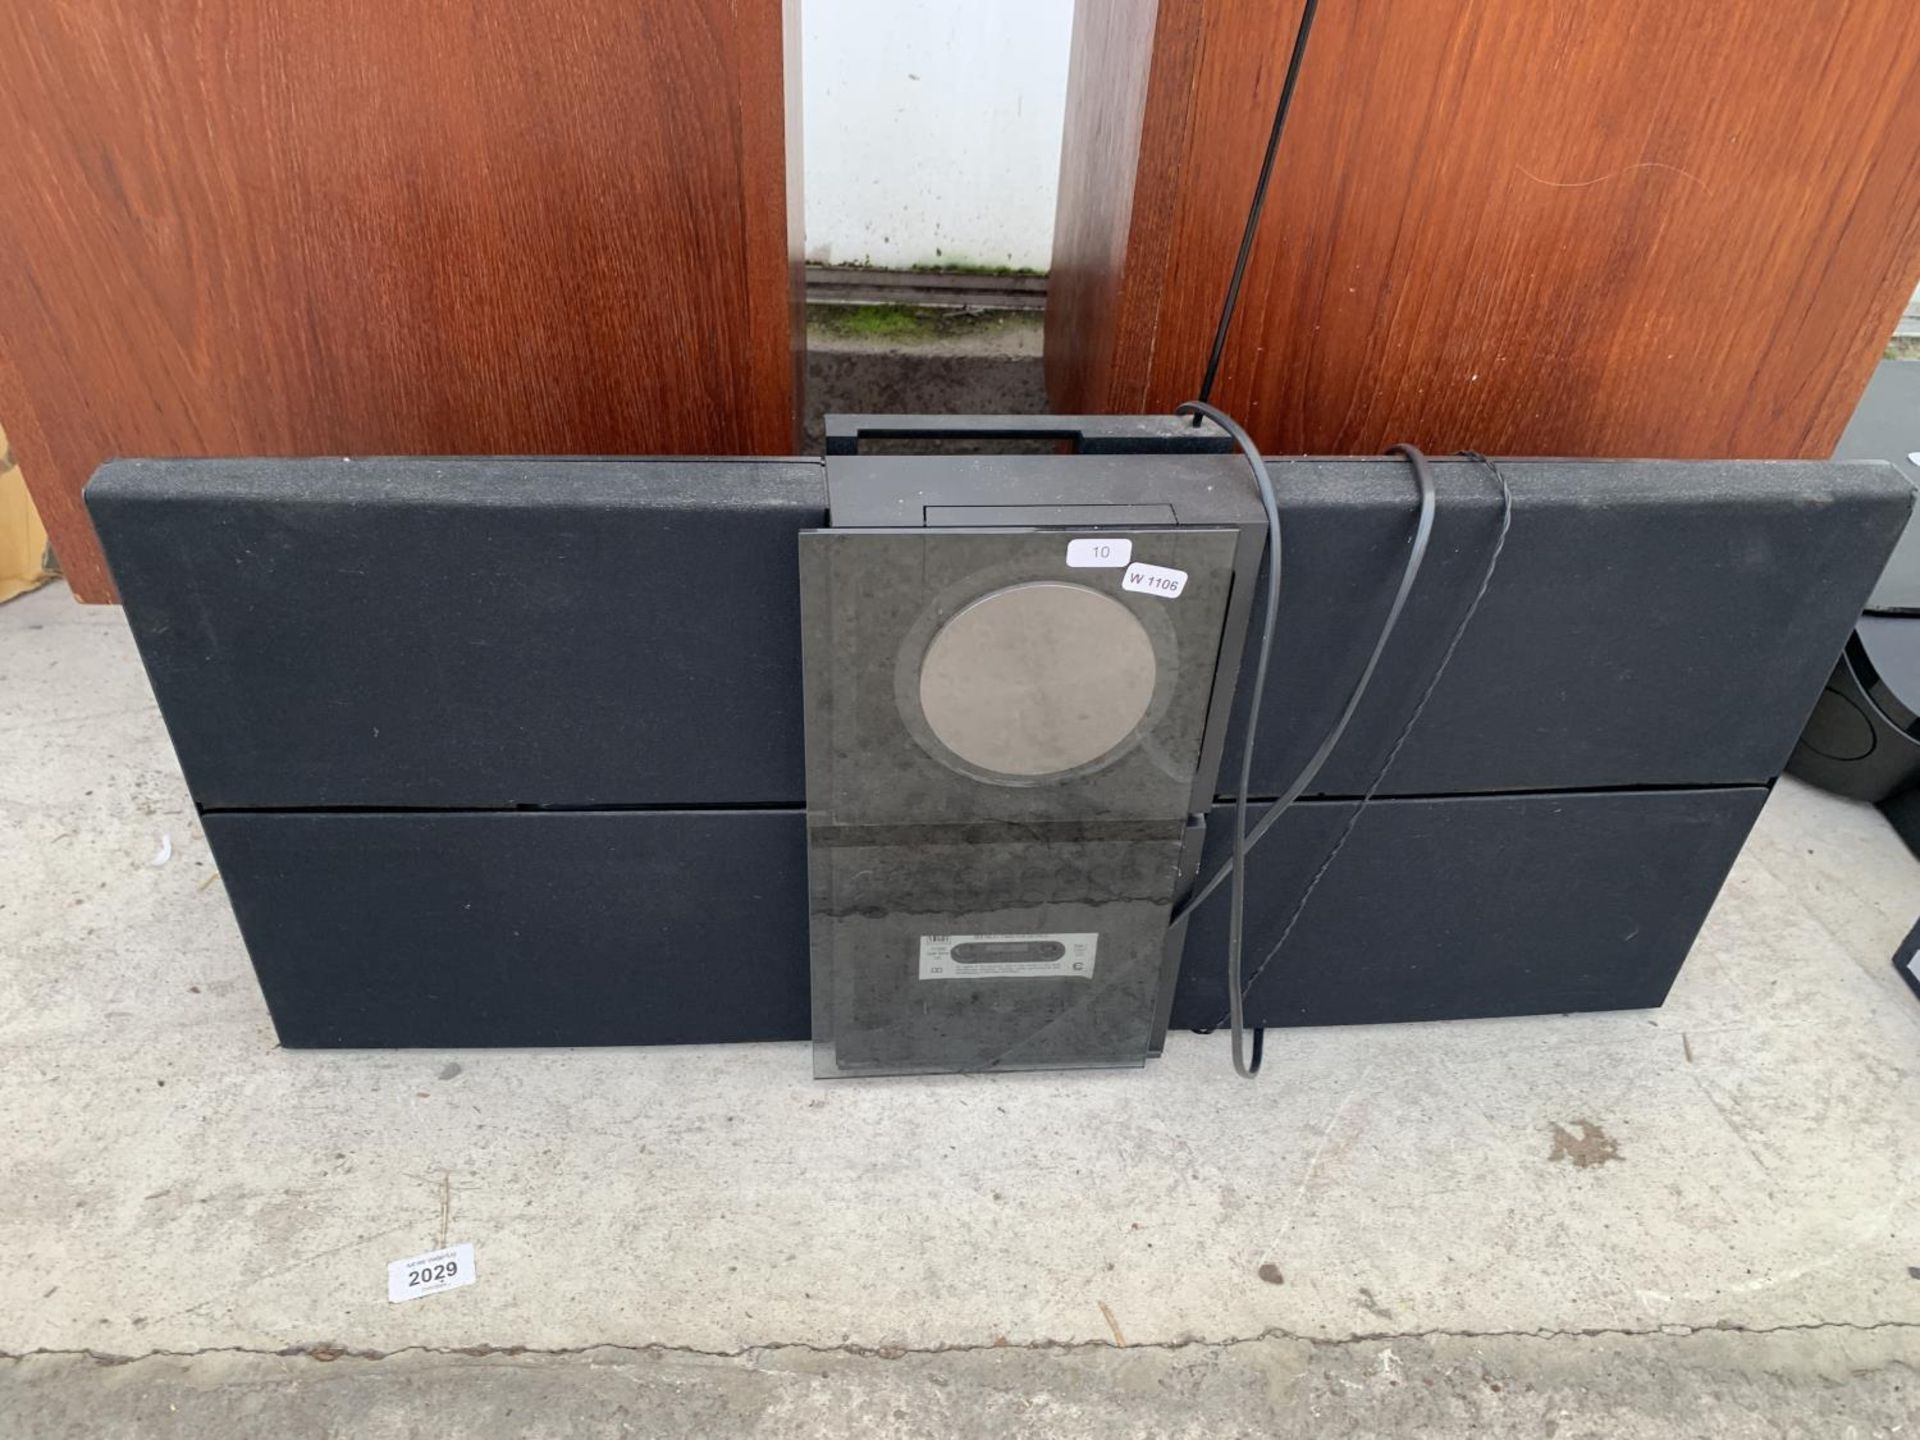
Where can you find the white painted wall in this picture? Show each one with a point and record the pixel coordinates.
(932, 129)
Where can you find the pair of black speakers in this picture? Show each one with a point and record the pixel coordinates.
(511, 751)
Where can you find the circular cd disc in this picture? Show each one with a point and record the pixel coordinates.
(1036, 679)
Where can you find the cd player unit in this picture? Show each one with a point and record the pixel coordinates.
(1018, 675)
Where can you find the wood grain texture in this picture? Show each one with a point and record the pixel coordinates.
(1109, 65)
(1589, 227)
(393, 226)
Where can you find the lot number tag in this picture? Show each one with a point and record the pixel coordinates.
(429, 1274)
(1155, 580)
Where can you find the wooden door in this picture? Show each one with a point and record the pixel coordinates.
(279, 227)
(1586, 227)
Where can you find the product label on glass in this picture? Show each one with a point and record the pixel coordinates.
(1160, 580)
(1102, 552)
(1008, 957)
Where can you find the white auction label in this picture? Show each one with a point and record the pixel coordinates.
(429, 1274)
(1155, 580)
(1913, 457)
(1100, 553)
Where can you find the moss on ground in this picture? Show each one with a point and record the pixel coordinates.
(970, 267)
(942, 266)
(903, 324)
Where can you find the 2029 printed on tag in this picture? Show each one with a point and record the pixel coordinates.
(430, 1274)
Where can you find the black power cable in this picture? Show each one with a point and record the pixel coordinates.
(1237, 919)
(1413, 718)
(1232, 301)
(1236, 866)
(1244, 841)
(1409, 576)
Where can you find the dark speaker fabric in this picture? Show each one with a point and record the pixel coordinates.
(1651, 622)
(469, 633)
(1467, 906)
(573, 928)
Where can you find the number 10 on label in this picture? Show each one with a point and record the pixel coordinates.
(1104, 552)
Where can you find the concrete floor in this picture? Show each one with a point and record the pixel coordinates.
(1696, 1220)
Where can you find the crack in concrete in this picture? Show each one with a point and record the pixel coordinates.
(328, 1351)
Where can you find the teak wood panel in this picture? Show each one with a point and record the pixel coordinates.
(1589, 227)
(240, 227)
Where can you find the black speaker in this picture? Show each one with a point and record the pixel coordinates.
(511, 751)
(1863, 737)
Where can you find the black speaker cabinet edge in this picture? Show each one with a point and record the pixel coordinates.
(510, 751)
